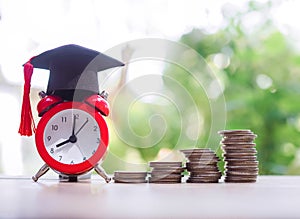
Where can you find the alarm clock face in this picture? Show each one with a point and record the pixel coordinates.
(69, 148)
(72, 137)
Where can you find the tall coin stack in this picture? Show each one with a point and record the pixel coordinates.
(239, 154)
(202, 165)
(130, 177)
(166, 172)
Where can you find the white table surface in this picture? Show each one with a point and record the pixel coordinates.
(270, 197)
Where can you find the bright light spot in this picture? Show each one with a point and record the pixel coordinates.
(288, 148)
(264, 81)
(133, 156)
(251, 21)
(155, 99)
(221, 60)
(148, 74)
(297, 157)
(285, 16)
(297, 123)
(166, 154)
(215, 89)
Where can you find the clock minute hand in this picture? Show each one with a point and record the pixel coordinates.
(73, 128)
(87, 120)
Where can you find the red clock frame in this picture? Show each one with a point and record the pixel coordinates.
(72, 169)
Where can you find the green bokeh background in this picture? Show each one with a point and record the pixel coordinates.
(259, 72)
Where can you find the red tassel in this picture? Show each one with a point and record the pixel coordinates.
(27, 125)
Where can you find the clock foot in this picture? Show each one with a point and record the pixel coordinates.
(68, 178)
(41, 172)
(102, 173)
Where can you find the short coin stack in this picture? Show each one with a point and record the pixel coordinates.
(166, 172)
(130, 177)
(239, 153)
(202, 165)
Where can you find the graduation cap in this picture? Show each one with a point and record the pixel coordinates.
(73, 76)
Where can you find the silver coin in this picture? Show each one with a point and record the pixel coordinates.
(198, 173)
(239, 150)
(238, 145)
(164, 174)
(164, 181)
(214, 176)
(241, 174)
(168, 177)
(241, 159)
(237, 141)
(203, 162)
(206, 175)
(248, 170)
(117, 180)
(167, 171)
(242, 163)
(239, 155)
(165, 164)
(235, 132)
(130, 174)
(196, 150)
(202, 156)
(240, 178)
(241, 167)
(201, 170)
(239, 138)
(192, 180)
(201, 165)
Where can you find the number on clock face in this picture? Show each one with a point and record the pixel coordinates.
(72, 136)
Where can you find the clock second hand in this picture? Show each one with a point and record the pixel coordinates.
(73, 137)
(87, 120)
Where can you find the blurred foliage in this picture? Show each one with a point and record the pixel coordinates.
(261, 81)
(259, 70)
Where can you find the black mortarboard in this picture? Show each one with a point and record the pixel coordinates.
(73, 67)
(73, 73)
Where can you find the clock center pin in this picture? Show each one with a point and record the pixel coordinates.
(73, 139)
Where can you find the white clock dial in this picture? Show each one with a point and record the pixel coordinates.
(72, 136)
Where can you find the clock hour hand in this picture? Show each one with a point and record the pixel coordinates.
(72, 139)
(63, 143)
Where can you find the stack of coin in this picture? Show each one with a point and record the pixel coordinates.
(130, 177)
(203, 165)
(166, 172)
(239, 154)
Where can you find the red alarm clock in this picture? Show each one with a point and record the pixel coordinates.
(71, 136)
